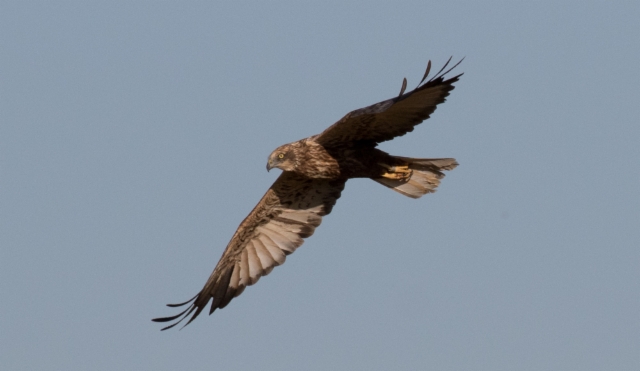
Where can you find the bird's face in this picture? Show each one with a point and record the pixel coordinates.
(282, 158)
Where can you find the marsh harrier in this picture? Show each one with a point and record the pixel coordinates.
(315, 170)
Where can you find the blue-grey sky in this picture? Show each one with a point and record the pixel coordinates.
(134, 138)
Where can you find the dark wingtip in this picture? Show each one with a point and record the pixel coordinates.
(438, 77)
(192, 317)
(426, 73)
(442, 69)
(181, 304)
(404, 86)
(167, 319)
(184, 314)
(454, 66)
(168, 327)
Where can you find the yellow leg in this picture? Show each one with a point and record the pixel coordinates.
(397, 172)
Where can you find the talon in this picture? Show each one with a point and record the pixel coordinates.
(402, 169)
(395, 176)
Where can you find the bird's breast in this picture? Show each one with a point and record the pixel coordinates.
(314, 161)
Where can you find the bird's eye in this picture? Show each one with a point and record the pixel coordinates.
(281, 155)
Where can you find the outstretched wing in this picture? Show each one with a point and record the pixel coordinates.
(393, 117)
(290, 211)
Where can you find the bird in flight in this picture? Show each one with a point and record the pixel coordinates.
(314, 172)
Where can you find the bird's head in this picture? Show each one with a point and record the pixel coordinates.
(283, 158)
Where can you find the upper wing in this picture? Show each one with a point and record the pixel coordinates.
(393, 117)
(290, 211)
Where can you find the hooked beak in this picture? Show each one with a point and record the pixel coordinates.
(269, 166)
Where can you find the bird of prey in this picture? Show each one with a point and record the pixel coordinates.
(315, 170)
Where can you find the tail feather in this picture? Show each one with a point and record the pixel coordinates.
(425, 178)
(430, 163)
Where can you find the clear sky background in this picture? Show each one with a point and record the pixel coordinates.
(134, 138)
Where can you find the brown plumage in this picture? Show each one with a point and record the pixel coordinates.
(315, 170)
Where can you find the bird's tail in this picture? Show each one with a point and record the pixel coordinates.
(424, 177)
